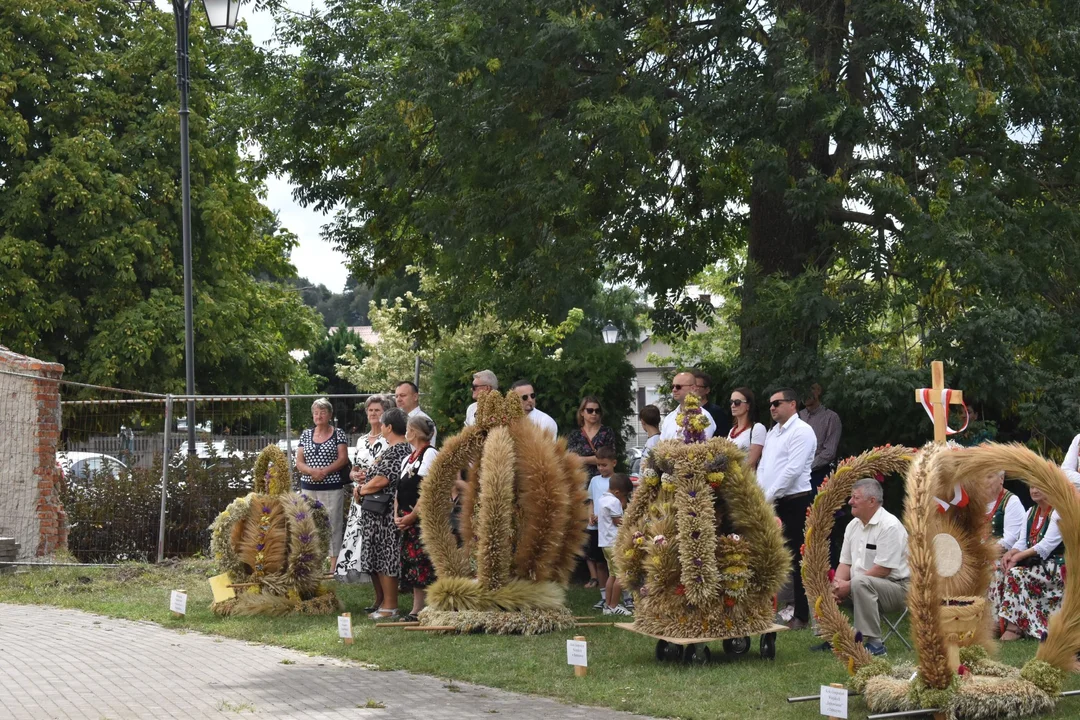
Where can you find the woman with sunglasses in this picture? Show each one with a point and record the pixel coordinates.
(748, 436)
(590, 434)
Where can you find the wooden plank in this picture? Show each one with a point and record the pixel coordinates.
(431, 628)
(396, 624)
(631, 627)
(594, 624)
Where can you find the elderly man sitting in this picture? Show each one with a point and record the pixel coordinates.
(873, 569)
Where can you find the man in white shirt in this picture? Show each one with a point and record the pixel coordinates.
(682, 385)
(482, 382)
(407, 397)
(873, 569)
(784, 475)
(541, 419)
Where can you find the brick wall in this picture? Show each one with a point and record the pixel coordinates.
(30, 507)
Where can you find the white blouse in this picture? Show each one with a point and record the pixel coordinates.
(745, 439)
(367, 450)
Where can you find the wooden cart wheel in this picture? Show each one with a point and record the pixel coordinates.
(697, 655)
(669, 652)
(768, 646)
(737, 646)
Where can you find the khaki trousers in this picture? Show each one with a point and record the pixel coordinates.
(872, 596)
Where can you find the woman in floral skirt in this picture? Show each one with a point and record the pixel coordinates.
(416, 569)
(1029, 584)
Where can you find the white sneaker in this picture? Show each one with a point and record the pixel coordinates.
(600, 604)
(617, 610)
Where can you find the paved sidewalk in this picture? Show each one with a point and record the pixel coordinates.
(69, 664)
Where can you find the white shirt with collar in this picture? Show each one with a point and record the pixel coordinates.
(787, 459)
(882, 541)
(543, 421)
(1050, 540)
(1015, 517)
(470, 415)
(417, 411)
(669, 428)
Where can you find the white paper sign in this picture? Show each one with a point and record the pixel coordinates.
(344, 626)
(576, 653)
(178, 602)
(833, 701)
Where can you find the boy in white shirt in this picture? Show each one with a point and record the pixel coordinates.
(605, 465)
(609, 518)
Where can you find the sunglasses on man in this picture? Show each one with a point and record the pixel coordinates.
(778, 403)
(477, 387)
(528, 396)
(680, 387)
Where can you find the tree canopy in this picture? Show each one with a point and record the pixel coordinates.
(90, 250)
(885, 181)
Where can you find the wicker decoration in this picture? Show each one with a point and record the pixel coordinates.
(274, 543)
(522, 525)
(832, 496)
(699, 545)
(987, 689)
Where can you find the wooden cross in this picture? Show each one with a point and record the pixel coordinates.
(941, 409)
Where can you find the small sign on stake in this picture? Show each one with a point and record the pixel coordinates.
(344, 627)
(577, 655)
(178, 603)
(834, 699)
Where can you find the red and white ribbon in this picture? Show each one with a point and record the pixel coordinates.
(946, 395)
(959, 499)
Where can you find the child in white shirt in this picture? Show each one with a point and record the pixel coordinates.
(609, 518)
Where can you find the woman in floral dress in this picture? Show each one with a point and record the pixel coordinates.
(380, 544)
(417, 571)
(1029, 585)
(368, 448)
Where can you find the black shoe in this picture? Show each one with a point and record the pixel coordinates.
(410, 618)
(823, 647)
(371, 609)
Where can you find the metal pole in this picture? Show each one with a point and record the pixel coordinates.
(164, 478)
(416, 372)
(288, 430)
(182, 15)
(905, 713)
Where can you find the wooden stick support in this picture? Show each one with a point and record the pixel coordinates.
(593, 624)
(348, 640)
(580, 670)
(395, 625)
(432, 628)
(835, 685)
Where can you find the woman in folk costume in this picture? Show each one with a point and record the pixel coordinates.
(1029, 584)
(1005, 513)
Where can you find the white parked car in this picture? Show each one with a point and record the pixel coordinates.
(83, 466)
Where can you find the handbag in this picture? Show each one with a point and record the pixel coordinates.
(377, 503)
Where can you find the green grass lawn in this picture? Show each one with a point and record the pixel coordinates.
(623, 673)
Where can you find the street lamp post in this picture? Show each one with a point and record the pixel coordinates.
(610, 333)
(221, 14)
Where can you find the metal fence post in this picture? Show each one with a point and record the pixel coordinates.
(288, 430)
(164, 477)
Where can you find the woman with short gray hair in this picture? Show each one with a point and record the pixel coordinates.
(368, 448)
(321, 456)
(380, 552)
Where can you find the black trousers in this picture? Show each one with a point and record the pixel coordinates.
(792, 513)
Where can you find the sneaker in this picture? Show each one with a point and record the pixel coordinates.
(876, 649)
(617, 610)
(600, 604)
(628, 603)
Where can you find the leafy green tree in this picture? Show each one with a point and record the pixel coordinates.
(90, 250)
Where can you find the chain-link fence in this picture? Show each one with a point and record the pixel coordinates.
(116, 481)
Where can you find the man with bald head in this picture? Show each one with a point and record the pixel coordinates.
(682, 385)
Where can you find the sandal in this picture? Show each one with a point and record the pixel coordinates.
(370, 609)
(384, 614)
(592, 583)
(411, 617)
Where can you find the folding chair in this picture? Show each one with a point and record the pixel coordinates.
(894, 628)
